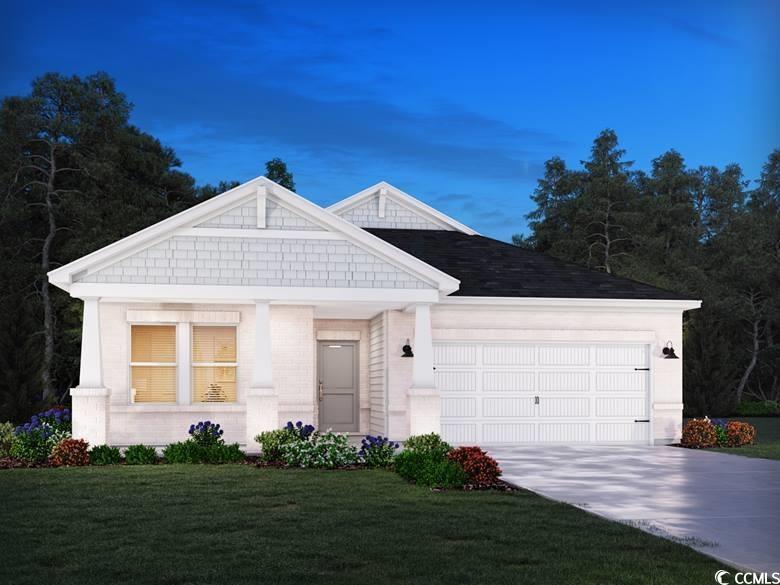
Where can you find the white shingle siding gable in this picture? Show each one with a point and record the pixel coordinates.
(397, 216)
(244, 216)
(208, 260)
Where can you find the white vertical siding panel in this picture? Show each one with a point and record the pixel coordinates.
(377, 379)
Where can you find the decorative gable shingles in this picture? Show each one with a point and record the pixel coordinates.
(244, 216)
(206, 260)
(366, 215)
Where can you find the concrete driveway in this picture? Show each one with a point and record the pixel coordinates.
(726, 506)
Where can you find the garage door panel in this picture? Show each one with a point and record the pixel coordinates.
(566, 393)
(564, 432)
(508, 433)
(508, 407)
(621, 382)
(459, 433)
(459, 407)
(449, 354)
(626, 407)
(508, 381)
(564, 407)
(620, 432)
(564, 381)
(621, 355)
(564, 355)
(509, 355)
(456, 381)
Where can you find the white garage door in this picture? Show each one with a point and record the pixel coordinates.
(543, 393)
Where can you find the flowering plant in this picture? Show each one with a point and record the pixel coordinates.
(377, 451)
(299, 429)
(34, 440)
(739, 434)
(271, 442)
(206, 433)
(329, 450)
(699, 434)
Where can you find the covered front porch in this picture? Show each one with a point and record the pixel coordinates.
(333, 363)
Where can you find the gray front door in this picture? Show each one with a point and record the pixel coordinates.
(337, 392)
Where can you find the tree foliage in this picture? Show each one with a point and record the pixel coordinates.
(701, 232)
(276, 170)
(76, 175)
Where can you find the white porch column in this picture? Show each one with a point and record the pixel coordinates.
(262, 401)
(424, 410)
(90, 397)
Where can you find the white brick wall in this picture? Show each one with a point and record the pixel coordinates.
(396, 216)
(208, 260)
(293, 358)
(244, 216)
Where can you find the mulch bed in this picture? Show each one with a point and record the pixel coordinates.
(15, 463)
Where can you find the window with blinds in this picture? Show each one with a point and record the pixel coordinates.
(153, 363)
(214, 364)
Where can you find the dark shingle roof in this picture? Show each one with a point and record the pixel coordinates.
(490, 268)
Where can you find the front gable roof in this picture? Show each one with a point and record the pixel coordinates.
(259, 209)
(385, 206)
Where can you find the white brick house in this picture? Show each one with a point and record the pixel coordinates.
(258, 306)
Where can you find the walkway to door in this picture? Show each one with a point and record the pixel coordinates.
(723, 505)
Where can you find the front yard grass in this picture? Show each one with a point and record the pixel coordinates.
(761, 450)
(238, 524)
(767, 438)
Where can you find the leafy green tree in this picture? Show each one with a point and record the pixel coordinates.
(276, 170)
(77, 176)
(699, 232)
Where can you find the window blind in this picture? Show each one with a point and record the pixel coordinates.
(154, 344)
(153, 363)
(214, 364)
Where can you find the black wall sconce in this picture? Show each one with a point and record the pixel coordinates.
(407, 349)
(668, 352)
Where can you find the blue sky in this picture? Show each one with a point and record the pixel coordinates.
(459, 104)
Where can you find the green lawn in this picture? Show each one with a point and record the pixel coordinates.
(239, 524)
(761, 450)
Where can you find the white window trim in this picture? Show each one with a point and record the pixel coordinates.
(175, 364)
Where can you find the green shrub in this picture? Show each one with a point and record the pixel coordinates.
(430, 443)
(327, 451)
(6, 438)
(377, 451)
(31, 447)
(271, 443)
(104, 455)
(430, 469)
(190, 451)
(140, 455)
(762, 408)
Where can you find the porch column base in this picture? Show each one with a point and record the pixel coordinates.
(89, 414)
(262, 413)
(424, 411)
